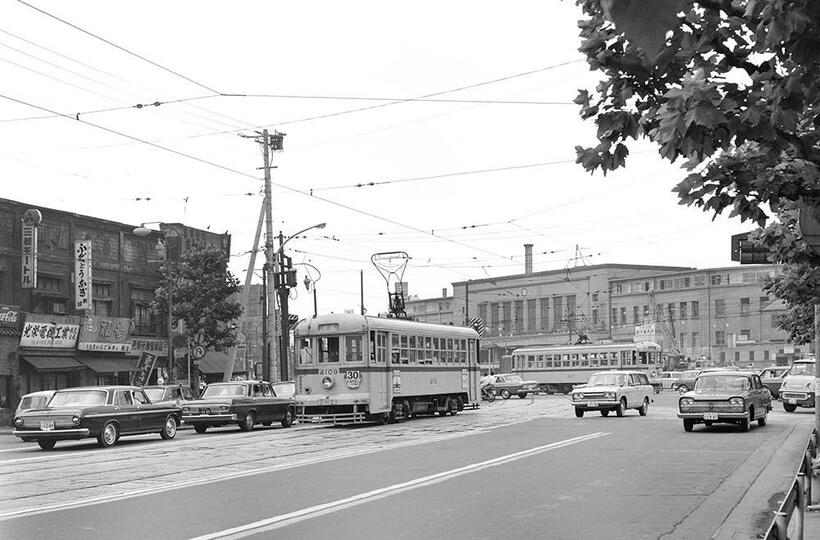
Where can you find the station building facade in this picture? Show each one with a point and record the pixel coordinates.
(63, 328)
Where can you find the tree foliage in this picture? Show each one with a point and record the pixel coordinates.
(202, 292)
(732, 94)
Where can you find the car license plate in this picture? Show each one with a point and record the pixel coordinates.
(592, 403)
(46, 425)
(793, 401)
(710, 416)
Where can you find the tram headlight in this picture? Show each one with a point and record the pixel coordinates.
(327, 382)
(307, 389)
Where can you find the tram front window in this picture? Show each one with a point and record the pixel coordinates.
(305, 351)
(328, 350)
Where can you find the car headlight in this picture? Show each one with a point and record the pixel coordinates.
(223, 408)
(18, 421)
(76, 419)
(327, 382)
(579, 395)
(686, 403)
(609, 395)
(737, 402)
(810, 386)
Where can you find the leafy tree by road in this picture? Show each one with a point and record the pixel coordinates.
(730, 92)
(202, 290)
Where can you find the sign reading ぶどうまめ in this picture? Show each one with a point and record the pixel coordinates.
(107, 334)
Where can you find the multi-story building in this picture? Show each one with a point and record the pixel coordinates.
(80, 290)
(252, 328)
(431, 310)
(718, 315)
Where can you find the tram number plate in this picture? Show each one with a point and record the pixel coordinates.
(592, 403)
(46, 425)
(710, 416)
(793, 401)
(325, 401)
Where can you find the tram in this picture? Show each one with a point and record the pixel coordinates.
(355, 369)
(558, 368)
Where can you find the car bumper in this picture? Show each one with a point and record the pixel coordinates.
(720, 416)
(34, 434)
(596, 405)
(802, 399)
(194, 419)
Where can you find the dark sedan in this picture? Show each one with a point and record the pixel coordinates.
(736, 397)
(101, 412)
(244, 403)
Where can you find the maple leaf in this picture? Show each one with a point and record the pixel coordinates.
(645, 22)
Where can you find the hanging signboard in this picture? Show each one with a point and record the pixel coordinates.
(157, 346)
(107, 334)
(50, 331)
(82, 275)
(645, 332)
(28, 265)
(144, 368)
(9, 316)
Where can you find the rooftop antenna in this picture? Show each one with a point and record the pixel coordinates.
(391, 265)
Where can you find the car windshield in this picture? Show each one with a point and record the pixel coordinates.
(155, 394)
(802, 369)
(688, 374)
(33, 402)
(722, 382)
(607, 379)
(224, 390)
(83, 398)
(514, 379)
(284, 389)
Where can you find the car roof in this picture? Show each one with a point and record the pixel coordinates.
(734, 372)
(108, 387)
(40, 393)
(619, 372)
(804, 361)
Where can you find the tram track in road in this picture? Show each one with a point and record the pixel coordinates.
(73, 481)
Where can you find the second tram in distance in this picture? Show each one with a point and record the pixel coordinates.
(355, 368)
(557, 368)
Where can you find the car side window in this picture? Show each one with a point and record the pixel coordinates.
(642, 379)
(187, 394)
(140, 397)
(756, 382)
(123, 398)
(266, 390)
(632, 381)
(256, 391)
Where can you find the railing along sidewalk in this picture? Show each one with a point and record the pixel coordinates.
(803, 495)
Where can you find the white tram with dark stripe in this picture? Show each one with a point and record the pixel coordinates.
(354, 368)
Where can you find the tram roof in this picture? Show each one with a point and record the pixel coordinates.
(349, 323)
(622, 345)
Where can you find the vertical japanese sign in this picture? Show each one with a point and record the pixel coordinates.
(82, 275)
(28, 275)
(144, 368)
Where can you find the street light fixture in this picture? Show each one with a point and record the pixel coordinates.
(309, 280)
(144, 231)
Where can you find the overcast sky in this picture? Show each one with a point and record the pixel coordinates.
(185, 161)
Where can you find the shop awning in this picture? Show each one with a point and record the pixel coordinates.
(52, 363)
(214, 362)
(108, 365)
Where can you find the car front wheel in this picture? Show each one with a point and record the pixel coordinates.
(505, 393)
(644, 407)
(169, 429)
(789, 407)
(522, 395)
(761, 421)
(200, 428)
(621, 407)
(46, 444)
(688, 425)
(746, 423)
(248, 422)
(579, 412)
(604, 412)
(109, 435)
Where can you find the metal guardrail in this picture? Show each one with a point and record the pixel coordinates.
(799, 496)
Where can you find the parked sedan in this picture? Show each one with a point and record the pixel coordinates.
(103, 412)
(506, 385)
(245, 403)
(668, 378)
(736, 397)
(178, 393)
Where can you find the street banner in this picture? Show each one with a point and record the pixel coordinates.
(145, 366)
(82, 275)
(28, 274)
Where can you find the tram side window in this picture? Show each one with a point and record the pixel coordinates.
(604, 360)
(548, 361)
(565, 360)
(449, 350)
(353, 349)
(411, 349)
(394, 348)
(574, 357)
(593, 359)
(378, 347)
(530, 361)
(643, 358)
(404, 355)
(328, 350)
(305, 351)
(471, 359)
(462, 351)
(436, 350)
(539, 361)
(613, 359)
(584, 360)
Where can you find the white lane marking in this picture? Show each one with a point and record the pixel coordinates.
(291, 518)
(24, 512)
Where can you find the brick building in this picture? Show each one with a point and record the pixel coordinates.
(79, 324)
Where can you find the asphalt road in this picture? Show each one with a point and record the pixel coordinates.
(516, 468)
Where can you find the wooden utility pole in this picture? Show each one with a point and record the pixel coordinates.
(270, 262)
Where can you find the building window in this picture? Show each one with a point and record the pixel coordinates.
(766, 355)
(720, 338)
(774, 319)
(143, 321)
(764, 301)
(695, 309)
(745, 335)
(519, 316)
(506, 317)
(671, 308)
(722, 357)
(737, 357)
(751, 356)
(659, 312)
(715, 279)
(720, 308)
(495, 326)
(531, 316)
(545, 313)
(595, 316)
(45, 283)
(614, 316)
(682, 340)
(623, 315)
(744, 306)
(482, 313)
(683, 310)
(635, 319)
(101, 299)
(645, 313)
(687, 282)
(557, 310)
(695, 337)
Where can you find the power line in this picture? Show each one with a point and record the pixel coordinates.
(123, 49)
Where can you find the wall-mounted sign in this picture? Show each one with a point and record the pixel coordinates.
(9, 316)
(156, 346)
(29, 260)
(82, 275)
(52, 331)
(645, 332)
(106, 334)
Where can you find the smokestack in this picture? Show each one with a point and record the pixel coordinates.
(528, 258)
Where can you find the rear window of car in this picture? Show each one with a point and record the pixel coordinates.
(85, 398)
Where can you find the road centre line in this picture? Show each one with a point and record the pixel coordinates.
(25, 512)
(291, 518)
